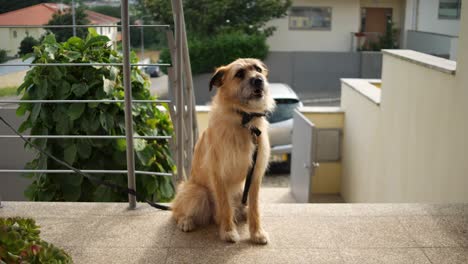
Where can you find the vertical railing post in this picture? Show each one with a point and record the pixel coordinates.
(189, 82)
(179, 92)
(128, 102)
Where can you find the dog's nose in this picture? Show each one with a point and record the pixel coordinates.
(256, 82)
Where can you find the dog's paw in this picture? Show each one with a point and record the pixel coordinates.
(230, 236)
(186, 224)
(259, 237)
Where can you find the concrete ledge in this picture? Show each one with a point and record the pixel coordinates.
(299, 233)
(425, 60)
(365, 88)
(321, 109)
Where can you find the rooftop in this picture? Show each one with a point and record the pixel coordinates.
(299, 233)
(40, 14)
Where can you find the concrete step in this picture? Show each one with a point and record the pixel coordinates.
(299, 233)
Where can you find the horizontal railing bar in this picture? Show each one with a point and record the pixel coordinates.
(78, 101)
(78, 26)
(84, 136)
(86, 171)
(80, 64)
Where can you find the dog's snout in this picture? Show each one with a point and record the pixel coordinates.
(256, 82)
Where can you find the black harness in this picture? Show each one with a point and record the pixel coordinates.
(246, 118)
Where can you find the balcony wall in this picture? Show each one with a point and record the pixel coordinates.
(404, 143)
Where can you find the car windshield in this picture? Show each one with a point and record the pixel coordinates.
(284, 110)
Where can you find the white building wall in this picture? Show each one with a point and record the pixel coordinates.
(11, 44)
(428, 19)
(345, 19)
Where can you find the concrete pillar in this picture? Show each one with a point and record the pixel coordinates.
(410, 20)
(459, 119)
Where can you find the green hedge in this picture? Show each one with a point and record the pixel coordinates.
(208, 53)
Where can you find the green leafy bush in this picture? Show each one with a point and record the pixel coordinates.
(208, 53)
(3, 55)
(27, 44)
(20, 243)
(88, 82)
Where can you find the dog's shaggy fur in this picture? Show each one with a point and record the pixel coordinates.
(223, 155)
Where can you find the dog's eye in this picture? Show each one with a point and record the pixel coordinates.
(257, 68)
(240, 73)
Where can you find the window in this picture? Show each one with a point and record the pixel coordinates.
(310, 18)
(15, 34)
(449, 9)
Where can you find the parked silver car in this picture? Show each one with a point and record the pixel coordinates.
(281, 120)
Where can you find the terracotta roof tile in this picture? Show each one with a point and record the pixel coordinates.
(40, 14)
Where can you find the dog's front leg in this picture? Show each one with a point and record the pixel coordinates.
(224, 212)
(257, 234)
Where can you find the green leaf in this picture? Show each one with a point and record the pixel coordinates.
(145, 156)
(78, 43)
(103, 120)
(45, 195)
(92, 32)
(49, 39)
(25, 85)
(71, 192)
(104, 194)
(139, 144)
(75, 110)
(150, 183)
(55, 73)
(31, 191)
(71, 55)
(64, 90)
(21, 110)
(25, 125)
(121, 144)
(79, 88)
(108, 85)
(97, 40)
(84, 150)
(114, 73)
(167, 189)
(41, 89)
(35, 112)
(69, 154)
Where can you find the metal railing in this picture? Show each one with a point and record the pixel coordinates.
(182, 114)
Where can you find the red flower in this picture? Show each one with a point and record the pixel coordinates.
(35, 249)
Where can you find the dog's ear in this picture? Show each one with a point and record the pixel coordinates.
(217, 79)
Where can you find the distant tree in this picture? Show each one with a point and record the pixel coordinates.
(9, 5)
(63, 34)
(27, 44)
(113, 11)
(3, 56)
(208, 17)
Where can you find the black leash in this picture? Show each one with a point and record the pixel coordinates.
(246, 118)
(94, 179)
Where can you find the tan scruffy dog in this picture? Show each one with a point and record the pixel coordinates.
(223, 155)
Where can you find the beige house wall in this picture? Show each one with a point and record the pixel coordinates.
(345, 19)
(413, 147)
